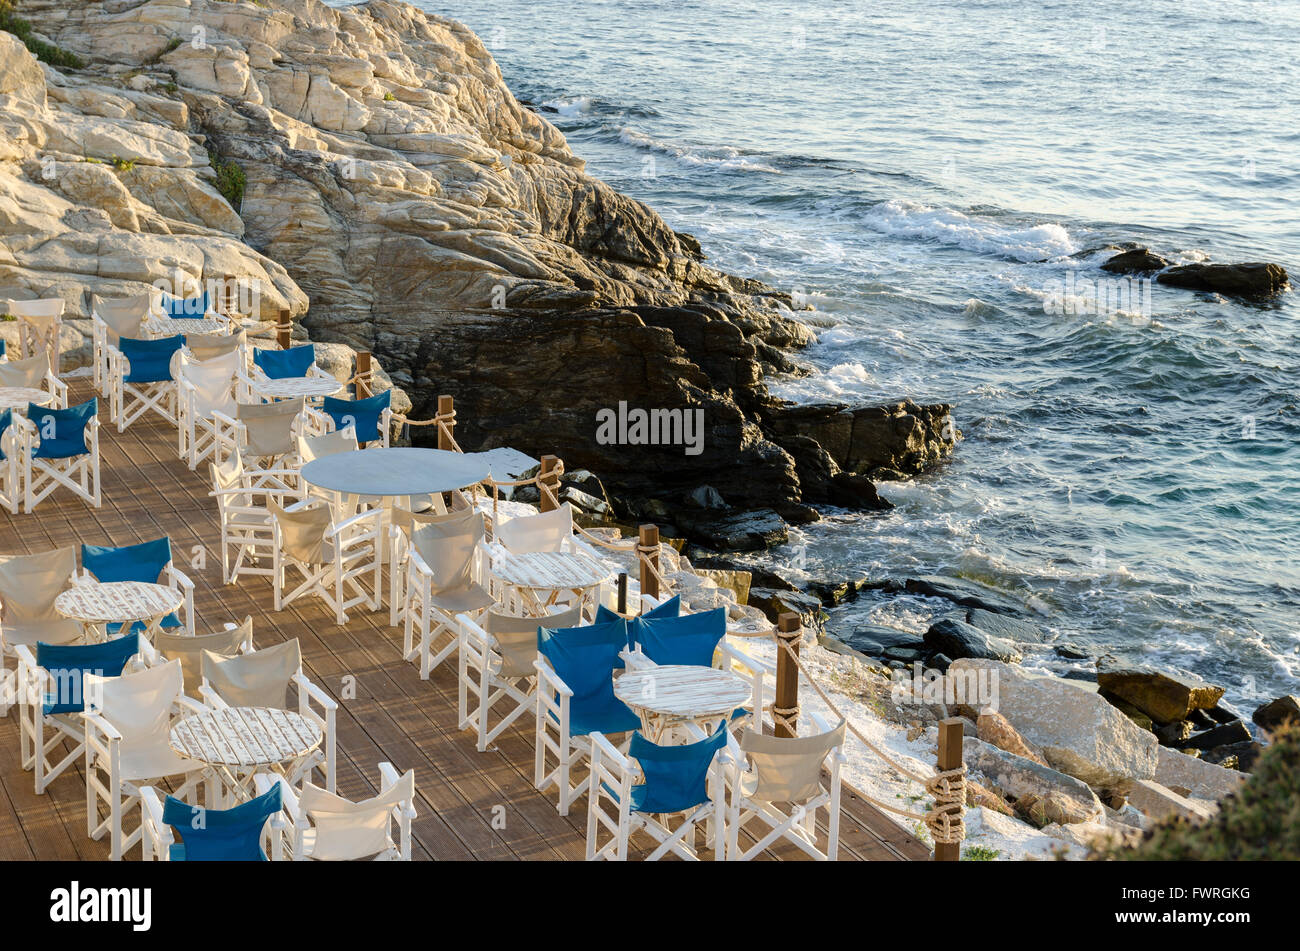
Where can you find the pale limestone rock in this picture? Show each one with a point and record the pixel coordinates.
(1190, 776)
(1159, 802)
(1041, 794)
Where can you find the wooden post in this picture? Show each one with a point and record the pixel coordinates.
(548, 502)
(284, 329)
(622, 592)
(363, 374)
(446, 407)
(227, 298)
(950, 740)
(785, 703)
(649, 539)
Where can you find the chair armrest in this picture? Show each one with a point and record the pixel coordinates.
(649, 602)
(188, 705)
(820, 722)
(221, 417)
(388, 778)
(546, 675)
(314, 692)
(181, 578)
(97, 722)
(756, 664)
(211, 697)
(263, 783)
(339, 527)
(610, 752)
(635, 660)
(474, 632)
(152, 826)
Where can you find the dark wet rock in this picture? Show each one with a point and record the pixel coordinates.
(1126, 708)
(774, 603)
(1225, 734)
(1083, 676)
(907, 655)
(706, 497)
(1255, 279)
(1242, 755)
(1202, 720)
(1007, 628)
(969, 594)
(1176, 733)
(958, 639)
(875, 638)
(1165, 695)
(1273, 714)
(1135, 261)
(758, 530)
(1071, 652)
(1224, 712)
(940, 662)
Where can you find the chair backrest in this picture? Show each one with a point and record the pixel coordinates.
(6, 420)
(530, 533)
(687, 639)
(257, 679)
(141, 562)
(62, 432)
(269, 426)
(361, 415)
(229, 474)
(123, 316)
(409, 521)
(188, 308)
(150, 360)
(676, 777)
(139, 704)
(448, 549)
(40, 321)
(516, 637)
(347, 830)
(222, 835)
(302, 532)
(670, 608)
(207, 346)
(311, 448)
(788, 769)
(28, 586)
(285, 364)
(188, 649)
(213, 381)
(68, 663)
(585, 658)
(29, 372)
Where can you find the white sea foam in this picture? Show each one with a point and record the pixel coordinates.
(723, 157)
(573, 106)
(908, 219)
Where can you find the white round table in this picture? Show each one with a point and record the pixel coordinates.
(119, 602)
(678, 693)
(395, 471)
(534, 574)
(17, 397)
(308, 387)
(240, 741)
(171, 326)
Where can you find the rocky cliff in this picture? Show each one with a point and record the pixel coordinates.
(397, 198)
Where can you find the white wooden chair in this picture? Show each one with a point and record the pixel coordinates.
(328, 828)
(142, 379)
(203, 389)
(336, 415)
(52, 685)
(248, 832)
(266, 437)
(261, 678)
(254, 379)
(39, 322)
(445, 565)
(782, 788)
(247, 526)
(547, 531)
(28, 586)
(11, 482)
(127, 726)
(336, 560)
(110, 320)
(58, 449)
(639, 790)
(496, 669)
(34, 373)
(230, 641)
(403, 520)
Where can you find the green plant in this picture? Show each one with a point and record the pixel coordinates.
(389, 97)
(1259, 821)
(170, 88)
(979, 853)
(91, 160)
(123, 165)
(45, 52)
(231, 180)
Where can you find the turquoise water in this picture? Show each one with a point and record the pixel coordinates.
(921, 171)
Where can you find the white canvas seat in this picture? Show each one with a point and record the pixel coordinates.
(232, 640)
(311, 448)
(34, 373)
(28, 586)
(203, 389)
(547, 531)
(336, 560)
(261, 678)
(444, 566)
(266, 437)
(204, 347)
(40, 322)
(402, 521)
(496, 667)
(781, 787)
(247, 526)
(56, 449)
(111, 319)
(127, 747)
(328, 828)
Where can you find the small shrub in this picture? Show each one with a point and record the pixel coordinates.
(389, 97)
(979, 853)
(122, 165)
(231, 180)
(45, 52)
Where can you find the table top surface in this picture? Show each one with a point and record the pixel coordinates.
(396, 470)
(118, 601)
(292, 386)
(677, 690)
(170, 326)
(17, 397)
(245, 736)
(549, 569)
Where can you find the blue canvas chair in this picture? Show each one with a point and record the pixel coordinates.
(285, 364)
(639, 790)
(112, 319)
(211, 835)
(186, 308)
(142, 379)
(575, 697)
(58, 448)
(370, 418)
(149, 562)
(52, 681)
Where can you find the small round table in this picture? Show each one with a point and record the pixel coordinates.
(534, 574)
(17, 397)
(119, 602)
(310, 388)
(171, 326)
(238, 742)
(395, 471)
(674, 694)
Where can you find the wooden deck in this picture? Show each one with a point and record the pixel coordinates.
(471, 805)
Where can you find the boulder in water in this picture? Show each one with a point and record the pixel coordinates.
(1136, 261)
(1254, 279)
